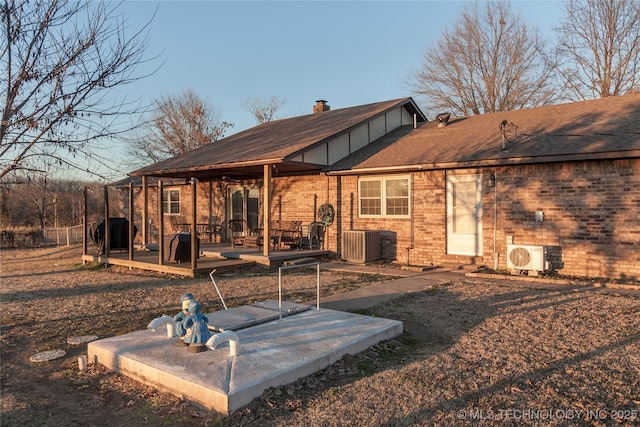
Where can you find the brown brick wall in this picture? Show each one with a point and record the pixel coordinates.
(591, 214)
(298, 199)
(591, 217)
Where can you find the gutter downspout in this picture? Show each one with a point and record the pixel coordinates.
(413, 222)
(412, 232)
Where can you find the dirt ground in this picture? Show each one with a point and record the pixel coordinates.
(475, 352)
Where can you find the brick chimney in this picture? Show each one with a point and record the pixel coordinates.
(321, 105)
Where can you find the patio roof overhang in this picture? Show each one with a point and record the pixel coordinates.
(237, 171)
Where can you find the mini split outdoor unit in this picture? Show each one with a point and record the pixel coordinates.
(526, 257)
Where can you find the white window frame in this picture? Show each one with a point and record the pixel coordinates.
(383, 196)
(168, 201)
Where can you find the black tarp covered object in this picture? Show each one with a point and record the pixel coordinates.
(118, 234)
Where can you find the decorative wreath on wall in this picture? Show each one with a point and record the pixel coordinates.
(326, 213)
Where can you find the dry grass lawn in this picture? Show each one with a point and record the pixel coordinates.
(475, 352)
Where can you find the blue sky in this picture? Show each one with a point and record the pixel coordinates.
(346, 52)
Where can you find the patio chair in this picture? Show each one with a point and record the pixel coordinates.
(179, 224)
(317, 234)
(210, 227)
(312, 236)
(288, 233)
(237, 232)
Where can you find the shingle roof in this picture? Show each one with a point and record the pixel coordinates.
(596, 129)
(271, 143)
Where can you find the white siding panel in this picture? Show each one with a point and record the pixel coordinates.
(338, 148)
(394, 119)
(377, 128)
(407, 118)
(317, 155)
(359, 137)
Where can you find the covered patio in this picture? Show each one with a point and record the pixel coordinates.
(254, 184)
(210, 251)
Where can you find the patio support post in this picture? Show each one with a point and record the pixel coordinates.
(145, 212)
(131, 221)
(85, 225)
(210, 216)
(194, 221)
(106, 224)
(160, 226)
(266, 214)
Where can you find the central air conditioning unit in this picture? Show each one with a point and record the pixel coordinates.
(361, 245)
(527, 257)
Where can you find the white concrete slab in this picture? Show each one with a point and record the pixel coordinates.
(269, 355)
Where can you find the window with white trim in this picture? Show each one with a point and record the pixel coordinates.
(171, 202)
(384, 197)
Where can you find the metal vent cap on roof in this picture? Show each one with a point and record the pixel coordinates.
(442, 119)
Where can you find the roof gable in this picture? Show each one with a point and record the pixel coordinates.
(277, 142)
(355, 138)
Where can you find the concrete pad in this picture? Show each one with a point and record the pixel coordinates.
(269, 355)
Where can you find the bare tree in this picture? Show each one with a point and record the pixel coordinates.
(62, 60)
(35, 199)
(263, 109)
(181, 122)
(30, 202)
(488, 61)
(599, 41)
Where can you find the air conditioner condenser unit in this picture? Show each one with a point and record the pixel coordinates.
(361, 246)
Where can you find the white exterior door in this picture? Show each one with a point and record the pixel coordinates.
(464, 215)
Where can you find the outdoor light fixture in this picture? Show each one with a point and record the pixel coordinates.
(492, 180)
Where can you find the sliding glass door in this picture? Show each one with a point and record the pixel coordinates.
(243, 204)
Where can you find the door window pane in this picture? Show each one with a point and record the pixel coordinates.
(237, 204)
(464, 207)
(252, 208)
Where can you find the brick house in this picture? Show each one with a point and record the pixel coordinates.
(481, 189)
(291, 155)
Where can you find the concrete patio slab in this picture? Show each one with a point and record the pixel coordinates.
(269, 354)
